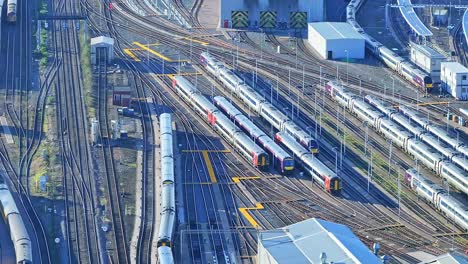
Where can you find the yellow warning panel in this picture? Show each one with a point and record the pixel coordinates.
(209, 166)
(131, 54)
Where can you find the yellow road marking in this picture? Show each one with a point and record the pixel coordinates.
(209, 166)
(238, 179)
(245, 213)
(152, 51)
(207, 150)
(131, 54)
(198, 41)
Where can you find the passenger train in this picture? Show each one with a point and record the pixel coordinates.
(166, 226)
(418, 132)
(320, 173)
(399, 136)
(395, 62)
(221, 124)
(438, 197)
(18, 233)
(426, 124)
(280, 158)
(256, 102)
(11, 11)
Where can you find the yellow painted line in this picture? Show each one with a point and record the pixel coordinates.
(198, 41)
(245, 213)
(131, 54)
(152, 51)
(238, 179)
(209, 166)
(207, 150)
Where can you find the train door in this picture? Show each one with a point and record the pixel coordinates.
(255, 159)
(327, 183)
(211, 118)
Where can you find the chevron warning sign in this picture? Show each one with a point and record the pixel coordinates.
(240, 19)
(268, 19)
(298, 19)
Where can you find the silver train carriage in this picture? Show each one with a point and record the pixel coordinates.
(11, 11)
(280, 158)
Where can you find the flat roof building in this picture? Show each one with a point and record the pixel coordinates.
(310, 241)
(336, 40)
(454, 79)
(427, 59)
(102, 42)
(449, 258)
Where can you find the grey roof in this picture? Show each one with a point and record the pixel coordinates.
(412, 18)
(336, 30)
(303, 242)
(465, 25)
(428, 51)
(102, 39)
(449, 258)
(454, 67)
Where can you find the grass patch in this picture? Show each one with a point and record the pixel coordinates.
(43, 51)
(85, 59)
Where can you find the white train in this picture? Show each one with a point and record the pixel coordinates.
(256, 102)
(438, 197)
(402, 138)
(19, 235)
(400, 65)
(426, 124)
(11, 11)
(166, 226)
(418, 132)
(282, 161)
(221, 124)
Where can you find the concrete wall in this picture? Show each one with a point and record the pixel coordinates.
(454, 83)
(314, 9)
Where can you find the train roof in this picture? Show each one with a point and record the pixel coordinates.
(7, 201)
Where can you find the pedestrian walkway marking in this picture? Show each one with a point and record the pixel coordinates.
(245, 213)
(131, 54)
(203, 43)
(238, 179)
(209, 166)
(207, 150)
(159, 55)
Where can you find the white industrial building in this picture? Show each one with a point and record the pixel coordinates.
(336, 41)
(313, 241)
(270, 13)
(102, 42)
(427, 59)
(454, 79)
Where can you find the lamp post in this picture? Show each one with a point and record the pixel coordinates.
(347, 61)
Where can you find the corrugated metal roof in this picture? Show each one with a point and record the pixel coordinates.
(102, 39)
(449, 258)
(454, 67)
(336, 30)
(428, 51)
(303, 242)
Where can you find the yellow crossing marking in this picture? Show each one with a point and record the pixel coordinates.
(207, 150)
(245, 213)
(154, 52)
(238, 179)
(209, 166)
(197, 41)
(131, 54)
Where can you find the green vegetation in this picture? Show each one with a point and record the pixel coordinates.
(43, 37)
(85, 58)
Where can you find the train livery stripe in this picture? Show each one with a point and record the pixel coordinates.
(240, 19)
(298, 19)
(268, 19)
(209, 166)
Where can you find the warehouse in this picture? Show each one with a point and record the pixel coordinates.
(427, 59)
(336, 41)
(313, 241)
(454, 78)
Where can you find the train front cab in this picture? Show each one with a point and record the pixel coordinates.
(428, 84)
(334, 185)
(261, 161)
(164, 242)
(287, 166)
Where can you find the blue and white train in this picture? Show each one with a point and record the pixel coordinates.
(254, 154)
(280, 158)
(399, 136)
(18, 233)
(395, 62)
(438, 197)
(166, 226)
(256, 102)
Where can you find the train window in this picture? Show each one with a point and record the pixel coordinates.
(464, 77)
